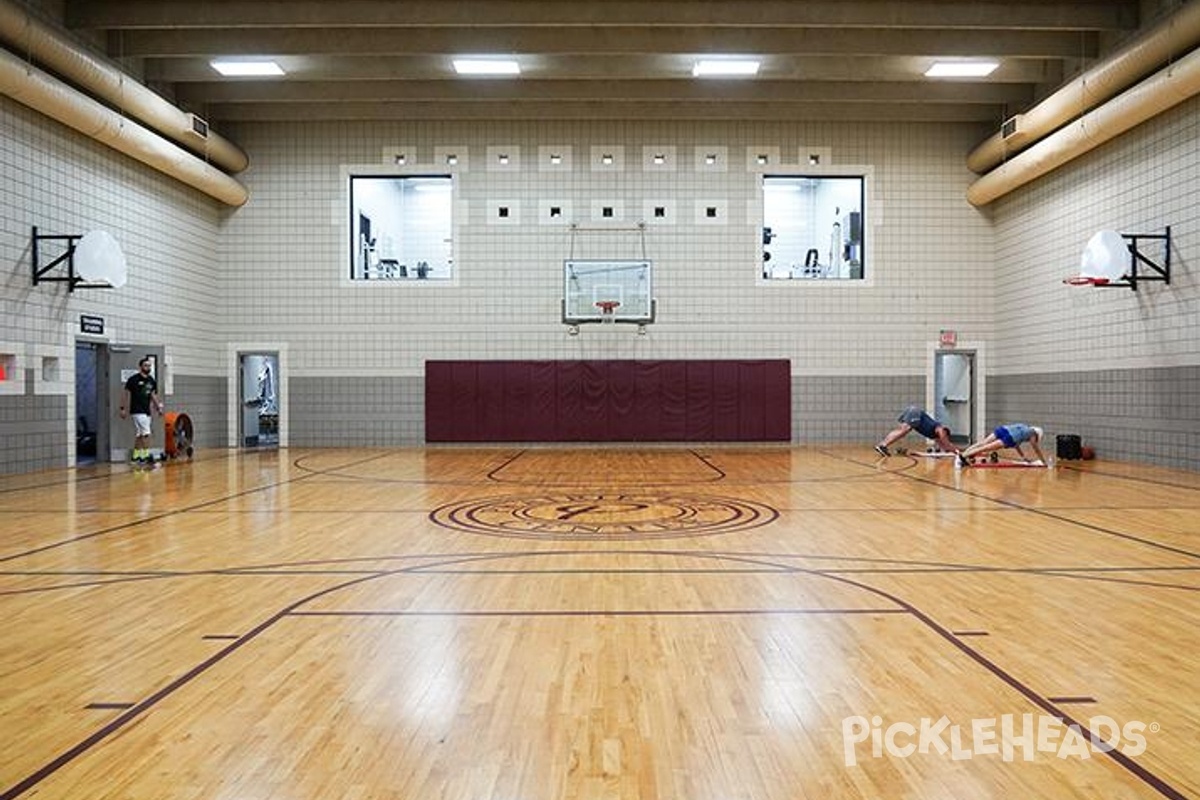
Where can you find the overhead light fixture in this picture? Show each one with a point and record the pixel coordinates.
(242, 69)
(961, 69)
(725, 68)
(486, 66)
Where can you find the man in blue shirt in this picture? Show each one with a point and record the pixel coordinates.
(914, 419)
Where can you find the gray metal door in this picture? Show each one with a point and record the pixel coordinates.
(954, 393)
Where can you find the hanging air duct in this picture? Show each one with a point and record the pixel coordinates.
(1163, 90)
(41, 92)
(53, 50)
(1167, 40)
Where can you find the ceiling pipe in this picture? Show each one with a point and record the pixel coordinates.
(1175, 35)
(1163, 90)
(53, 50)
(31, 87)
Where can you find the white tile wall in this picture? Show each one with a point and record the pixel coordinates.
(932, 252)
(1139, 183)
(64, 184)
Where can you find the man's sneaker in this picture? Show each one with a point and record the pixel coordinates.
(882, 450)
(962, 460)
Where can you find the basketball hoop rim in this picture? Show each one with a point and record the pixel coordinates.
(1084, 280)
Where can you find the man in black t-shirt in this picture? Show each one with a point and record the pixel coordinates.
(141, 393)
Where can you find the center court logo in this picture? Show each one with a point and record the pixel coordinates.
(603, 516)
(1005, 736)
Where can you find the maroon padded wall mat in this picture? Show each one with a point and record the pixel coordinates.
(608, 401)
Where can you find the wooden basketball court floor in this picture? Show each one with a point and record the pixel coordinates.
(681, 623)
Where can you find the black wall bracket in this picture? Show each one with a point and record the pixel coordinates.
(41, 272)
(1151, 270)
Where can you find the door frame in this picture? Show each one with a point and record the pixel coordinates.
(978, 378)
(233, 407)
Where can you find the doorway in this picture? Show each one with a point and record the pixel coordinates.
(954, 393)
(258, 388)
(90, 420)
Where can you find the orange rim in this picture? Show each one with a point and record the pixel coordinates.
(1083, 280)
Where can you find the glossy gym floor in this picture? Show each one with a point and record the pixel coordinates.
(544, 623)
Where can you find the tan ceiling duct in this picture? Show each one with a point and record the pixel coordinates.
(1161, 91)
(32, 87)
(51, 49)
(1175, 35)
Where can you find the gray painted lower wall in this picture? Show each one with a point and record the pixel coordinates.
(360, 411)
(850, 408)
(202, 398)
(1147, 415)
(33, 431)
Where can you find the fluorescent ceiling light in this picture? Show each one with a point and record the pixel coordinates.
(486, 66)
(724, 68)
(247, 68)
(961, 69)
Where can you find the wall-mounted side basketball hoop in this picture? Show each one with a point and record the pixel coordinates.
(93, 260)
(1120, 261)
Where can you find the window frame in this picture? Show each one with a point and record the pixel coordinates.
(349, 222)
(870, 267)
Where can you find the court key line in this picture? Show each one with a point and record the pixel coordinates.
(291, 610)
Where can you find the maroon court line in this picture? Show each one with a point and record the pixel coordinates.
(183, 680)
(1129, 477)
(1148, 777)
(155, 517)
(1071, 699)
(735, 612)
(1038, 511)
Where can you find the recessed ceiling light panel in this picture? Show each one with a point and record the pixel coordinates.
(486, 66)
(231, 68)
(961, 69)
(725, 68)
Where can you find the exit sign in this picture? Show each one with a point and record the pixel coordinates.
(948, 338)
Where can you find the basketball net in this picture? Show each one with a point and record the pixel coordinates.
(607, 310)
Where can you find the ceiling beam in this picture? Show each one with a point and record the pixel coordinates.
(600, 90)
(791, 67)
(541, 110)
(1092, 15)
(579, 41)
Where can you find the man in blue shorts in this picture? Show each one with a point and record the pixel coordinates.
(1012, 434)
(914, 419)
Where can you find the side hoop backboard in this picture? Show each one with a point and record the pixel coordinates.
(590, 285)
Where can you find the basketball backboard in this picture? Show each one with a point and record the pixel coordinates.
(622, 286)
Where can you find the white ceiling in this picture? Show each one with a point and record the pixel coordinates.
(821, 59)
